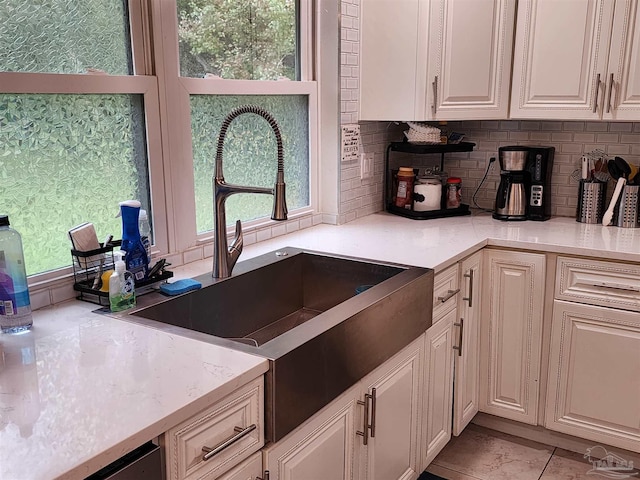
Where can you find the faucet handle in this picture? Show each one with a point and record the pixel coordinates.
(236, 246)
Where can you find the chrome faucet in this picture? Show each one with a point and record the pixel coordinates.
(224, 257)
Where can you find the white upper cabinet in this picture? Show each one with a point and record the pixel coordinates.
(576, 59)
(389, 31)
(469, 58)
(623, 84)
(435, 60)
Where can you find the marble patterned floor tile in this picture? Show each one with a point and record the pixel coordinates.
(490, 455)
(565, 465)
(448, 473)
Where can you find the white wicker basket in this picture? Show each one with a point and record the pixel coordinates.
(419, 133)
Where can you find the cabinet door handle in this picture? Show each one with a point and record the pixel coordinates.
(595, 100)
(240, 432)
(609, 93)
(366, 426)
(450, 293)
(470, 297)
(373, 412)
(435, 94)
(266, 476)
(459, 346)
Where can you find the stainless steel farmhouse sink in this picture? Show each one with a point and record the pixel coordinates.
(300, 310)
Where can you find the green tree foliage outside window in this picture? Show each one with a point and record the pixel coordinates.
(249, 39)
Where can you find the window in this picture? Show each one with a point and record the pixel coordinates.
(73, 123)
(235, 53)
(251, 39)
(108, 100)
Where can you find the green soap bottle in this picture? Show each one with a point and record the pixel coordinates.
(121, 286)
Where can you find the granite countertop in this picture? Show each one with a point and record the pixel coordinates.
(82, 389)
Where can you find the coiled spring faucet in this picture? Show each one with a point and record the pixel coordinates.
(224, 257)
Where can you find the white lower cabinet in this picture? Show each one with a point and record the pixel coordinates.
(511, 334)
(395, 417)
(438, 386)
(467, 346)
(383, 410)
(324, 447)
(593, 387)
(220, 437)
(250, 469)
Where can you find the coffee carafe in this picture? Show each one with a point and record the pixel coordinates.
(513, 191)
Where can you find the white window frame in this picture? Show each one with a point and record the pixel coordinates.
(154, 39)
(175, 92)
(142, 83)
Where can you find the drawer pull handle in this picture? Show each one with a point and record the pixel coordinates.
(240, 432)
(450, 293)
(616, 286)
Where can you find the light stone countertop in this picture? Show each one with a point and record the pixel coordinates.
(82, 389)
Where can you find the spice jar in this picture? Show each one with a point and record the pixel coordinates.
(405, 187)
(453, 192)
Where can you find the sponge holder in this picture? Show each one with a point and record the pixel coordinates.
(92, 263)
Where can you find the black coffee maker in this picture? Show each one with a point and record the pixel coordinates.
(539, 166)
(524, 192)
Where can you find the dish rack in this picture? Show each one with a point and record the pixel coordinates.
(88, 267)
(422, 149)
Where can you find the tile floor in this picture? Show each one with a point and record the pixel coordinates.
(483, 454)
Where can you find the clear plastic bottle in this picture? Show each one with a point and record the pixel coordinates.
(121, 286)
(145, 232)
(15, 306)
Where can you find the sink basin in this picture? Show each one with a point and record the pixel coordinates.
(300, 310)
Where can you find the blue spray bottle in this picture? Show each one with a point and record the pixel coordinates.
(136, 259)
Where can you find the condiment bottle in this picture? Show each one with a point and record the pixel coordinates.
(453, 192)
(121, 286)
(405, 187)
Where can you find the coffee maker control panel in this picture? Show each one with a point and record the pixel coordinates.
(536, 195)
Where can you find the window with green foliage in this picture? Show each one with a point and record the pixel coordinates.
(250, 153)
(98, 100)
(250, 39)
(67, 159)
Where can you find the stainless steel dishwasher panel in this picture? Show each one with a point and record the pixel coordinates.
(143, 463)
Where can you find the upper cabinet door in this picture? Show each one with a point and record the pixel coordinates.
(622, 101)
(469, 60)
(560, 58)
(389, 38)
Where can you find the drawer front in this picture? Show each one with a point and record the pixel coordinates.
(250, 469)
(608, 284)
(232, 428)
(445, 292)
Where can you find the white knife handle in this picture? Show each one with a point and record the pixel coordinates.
(608, 215)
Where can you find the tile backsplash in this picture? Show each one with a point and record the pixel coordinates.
(570, 139)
